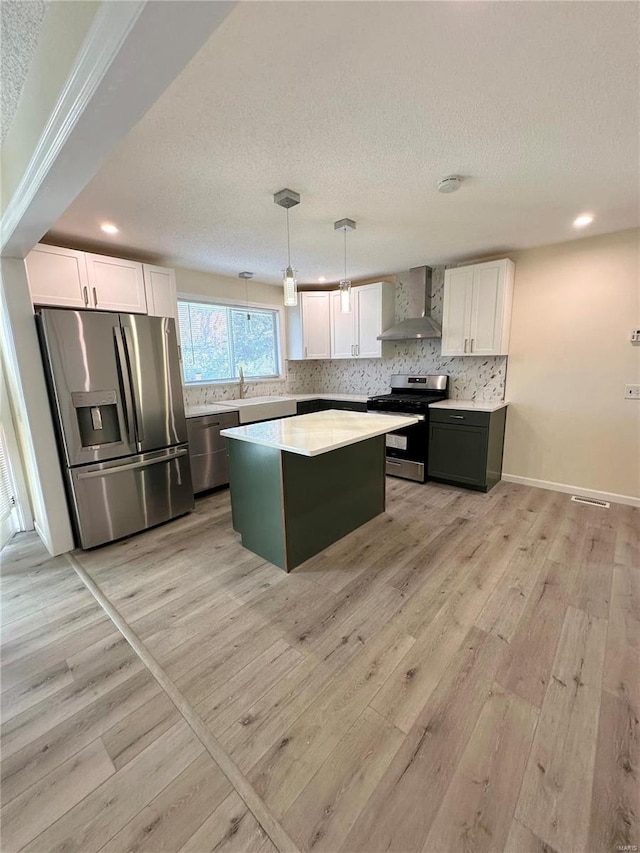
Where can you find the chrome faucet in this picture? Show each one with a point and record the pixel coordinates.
(242, 384)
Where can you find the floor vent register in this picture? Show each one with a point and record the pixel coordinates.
(590, 501)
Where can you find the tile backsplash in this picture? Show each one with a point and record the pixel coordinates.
(201, 395)
(471, 378)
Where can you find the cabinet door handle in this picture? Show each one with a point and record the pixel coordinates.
(85, 294)
(352, 350)
(95, 297)
(357, 349)
(465, 344)
(471, 344)
(457, 417)
(305, 352)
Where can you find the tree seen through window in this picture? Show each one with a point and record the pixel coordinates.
(217, 340)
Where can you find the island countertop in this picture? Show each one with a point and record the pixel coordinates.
(319, 432)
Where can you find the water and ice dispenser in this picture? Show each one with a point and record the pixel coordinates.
(97, 413)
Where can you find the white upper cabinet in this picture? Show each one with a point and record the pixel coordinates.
(456, 311)
(355, 335)
(476, 313)
(57, 277)
(374, 310)
(72, 279)
(160, 290)
(116, 284)
(315, 325)
(308, 326)
(343, 329)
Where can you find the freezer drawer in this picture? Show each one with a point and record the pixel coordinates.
(115, 499)
(405, 468)
(208, 450)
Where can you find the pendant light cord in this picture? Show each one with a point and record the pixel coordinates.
(288, 239)
(345, 229)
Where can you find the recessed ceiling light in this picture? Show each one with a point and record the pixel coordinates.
(109, 228)
(322, 278)
(582, 220)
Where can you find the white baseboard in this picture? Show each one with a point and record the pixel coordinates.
(629, 500)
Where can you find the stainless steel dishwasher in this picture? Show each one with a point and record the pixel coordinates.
(208, 450)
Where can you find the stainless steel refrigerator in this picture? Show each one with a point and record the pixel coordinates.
(116, 395)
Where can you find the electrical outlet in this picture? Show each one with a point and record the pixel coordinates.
(635, 336)
(632, 392)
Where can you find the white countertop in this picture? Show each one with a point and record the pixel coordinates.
(320, 432)
(255, 401)
(209, 409)
(222, 406)
(471, 405)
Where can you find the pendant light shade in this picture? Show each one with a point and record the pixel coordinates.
(345, 296)
(288, 198)
(345, 285)
(290, 286)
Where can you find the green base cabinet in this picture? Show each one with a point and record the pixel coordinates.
(465, 448)
(288, 507)
(309, 407)
(306, 407)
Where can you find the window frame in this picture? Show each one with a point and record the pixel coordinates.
(225, 302)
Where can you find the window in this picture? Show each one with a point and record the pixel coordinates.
(217, 340)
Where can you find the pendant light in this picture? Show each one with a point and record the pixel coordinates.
(246, 276)
(345, 285)
(288, 198)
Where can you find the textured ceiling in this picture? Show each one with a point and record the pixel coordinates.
(20, 24)
(361, 108)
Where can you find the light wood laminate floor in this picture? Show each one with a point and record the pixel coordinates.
(460, 674)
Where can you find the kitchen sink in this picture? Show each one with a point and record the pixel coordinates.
(253, 409)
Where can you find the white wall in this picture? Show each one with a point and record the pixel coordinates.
(34, 426)
(570, 357)
(223, 287)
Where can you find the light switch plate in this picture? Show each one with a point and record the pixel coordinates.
(632, 392)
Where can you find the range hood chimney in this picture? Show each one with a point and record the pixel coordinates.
(416, 328)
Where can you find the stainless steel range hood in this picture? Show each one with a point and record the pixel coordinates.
(416, 328)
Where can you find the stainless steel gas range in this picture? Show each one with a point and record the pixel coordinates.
(408, 448)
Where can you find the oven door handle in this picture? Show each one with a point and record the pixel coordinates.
(401, 414)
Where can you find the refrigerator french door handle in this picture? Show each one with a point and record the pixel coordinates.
(129, 349)
(145, 463)
(123, 369)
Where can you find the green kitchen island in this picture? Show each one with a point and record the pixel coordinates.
(298, 484)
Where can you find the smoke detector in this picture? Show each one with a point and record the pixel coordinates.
(245, 274)
(449, 184)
